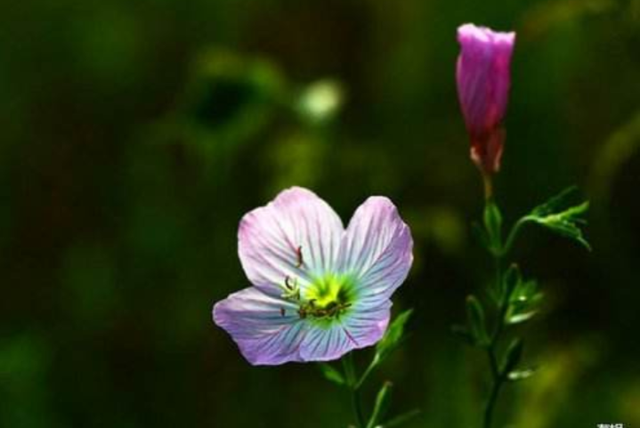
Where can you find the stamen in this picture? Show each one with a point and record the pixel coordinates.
(286, 282)
(282, 312)
(291, 289)
(299, 259)
(333, 309)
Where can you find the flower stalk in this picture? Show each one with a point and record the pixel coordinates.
(354, 385)
(499, 376)
(483, 78)
(351, 380)
(512, 299)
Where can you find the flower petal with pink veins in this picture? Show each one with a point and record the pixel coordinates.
(296, 235)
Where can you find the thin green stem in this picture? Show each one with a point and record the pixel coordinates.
(350, 372)
(498, 375)
(367, 372)
(513, 234)
(399, 420)
(491, 402)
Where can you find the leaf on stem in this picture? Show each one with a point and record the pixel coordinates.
(393, 336)
(518, 375)
(401, 419)
(512, 278)
(381, 405)
(558, 215)
(476, 320)
(513, 355)
(524, 302)
(332, 374)
(493, 226)
(498, 291)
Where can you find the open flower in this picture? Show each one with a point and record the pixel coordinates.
(483, 77)
(319, 291)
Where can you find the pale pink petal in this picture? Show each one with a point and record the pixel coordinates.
(268, 330)
(376, 250)
(297, 235)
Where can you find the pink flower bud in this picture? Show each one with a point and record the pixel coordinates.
(483, 77)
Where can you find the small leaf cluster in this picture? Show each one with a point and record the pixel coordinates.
(561, 217)
(560, 214)
(512, 299)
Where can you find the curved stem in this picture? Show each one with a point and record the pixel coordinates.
(513, 234)
(357, 409)
(367, 372)
(350, 372)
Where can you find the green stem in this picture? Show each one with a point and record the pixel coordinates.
(400, 420)
(350, 372)
(367, 372)
(498, 375)
(491, 402)
(512, 237)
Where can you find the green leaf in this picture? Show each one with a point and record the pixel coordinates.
(393, 336)
(524, 302)
(401, 419)
(381, 405)
(332, 374)
(512, 278)
(499, 291)
(558, 215)
(493, 225)
(513, 355)
(476, 320)
(521, 317)
(518, 375)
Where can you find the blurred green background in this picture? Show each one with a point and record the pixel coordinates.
(135, 135)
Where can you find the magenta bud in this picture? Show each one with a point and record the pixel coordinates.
(483, 77)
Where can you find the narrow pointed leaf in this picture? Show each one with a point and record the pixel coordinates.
(392, 338)
(520, 317)
(401, 419)
(559, 216)
(524, 302)
(513, 355)
(518, 375)
(493, 225)
(512, 278)
(332, 374)
(381, 405)
(476, 319)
